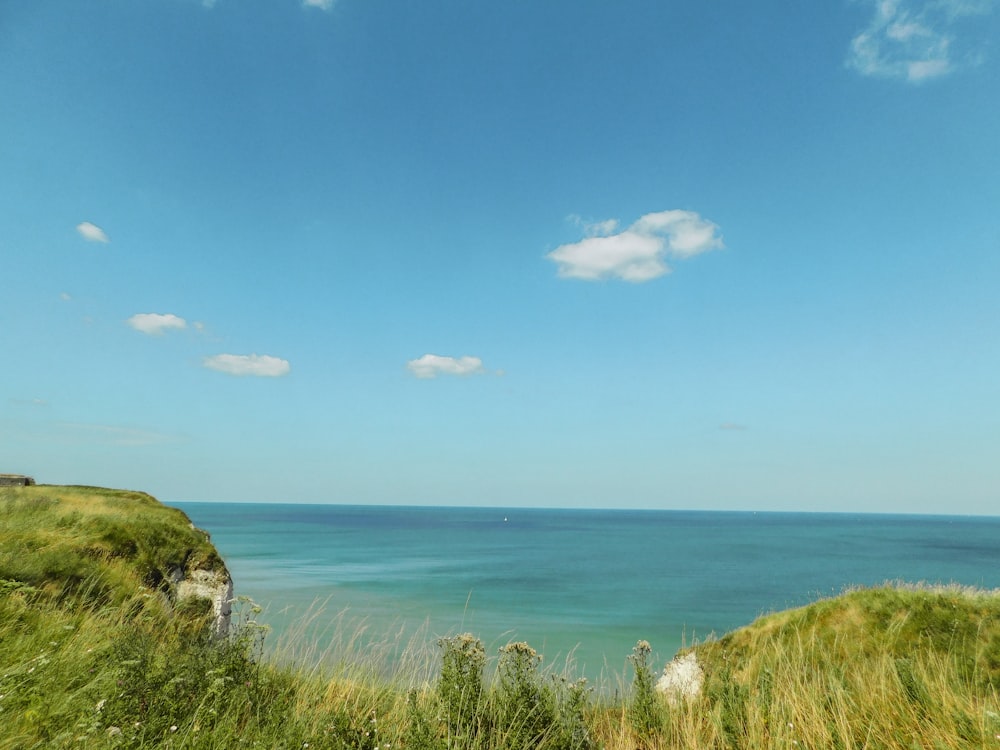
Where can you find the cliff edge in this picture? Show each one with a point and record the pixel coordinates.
(107, 546)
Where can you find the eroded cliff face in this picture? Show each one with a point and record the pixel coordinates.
(204, 577)
(214, 585)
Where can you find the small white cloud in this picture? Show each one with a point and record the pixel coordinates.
(91, 232)
(637, 254)
(65, 296)
(432, 365)
(259, 365)
(916, 40)
(321, 4)
(154, 324)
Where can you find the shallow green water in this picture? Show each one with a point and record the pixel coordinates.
(591, 582)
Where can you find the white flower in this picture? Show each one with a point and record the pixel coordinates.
(173, 728)
(100, 704)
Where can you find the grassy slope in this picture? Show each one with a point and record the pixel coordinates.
(895, 666)
(92, 655)
(59, 538)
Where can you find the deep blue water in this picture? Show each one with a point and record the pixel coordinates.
(591, 580)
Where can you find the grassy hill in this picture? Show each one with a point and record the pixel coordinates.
(103, 545)
(898, 666)
(97, 651)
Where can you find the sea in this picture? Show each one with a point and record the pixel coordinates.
(580, 586)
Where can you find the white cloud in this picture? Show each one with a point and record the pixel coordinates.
(91, 232)
(65, 297)
(154, 324)
(638, 253)
(260, 365)
(321, 4)
(916, 40)
(432, 365)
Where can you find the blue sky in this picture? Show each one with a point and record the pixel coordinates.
(650, 254)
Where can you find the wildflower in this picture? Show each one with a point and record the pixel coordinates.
(173, 727)
(519, 647)
(100, 704)
(114, 731)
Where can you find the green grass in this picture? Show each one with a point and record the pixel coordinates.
(59, 538)
(95, 653)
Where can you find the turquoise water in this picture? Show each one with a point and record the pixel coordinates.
(590, 581)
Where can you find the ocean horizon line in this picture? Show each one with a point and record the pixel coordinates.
(592, 509)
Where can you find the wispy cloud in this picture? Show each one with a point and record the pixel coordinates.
(593, 228)
(432, 365)
(259, 365)
(91, 434)
(732, 426)
(154, 324)
(34, 402)
(321, 4)
(917, 40)
(91, 232)
(638, 253)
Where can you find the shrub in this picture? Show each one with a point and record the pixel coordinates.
(460, 687)
(645, 712)
(525, 706)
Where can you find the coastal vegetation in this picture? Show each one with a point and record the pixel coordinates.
(98, 649)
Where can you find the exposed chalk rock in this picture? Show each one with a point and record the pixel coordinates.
(214, 585)
(682, 679)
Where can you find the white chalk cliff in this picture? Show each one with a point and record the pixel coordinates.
(213, 585)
